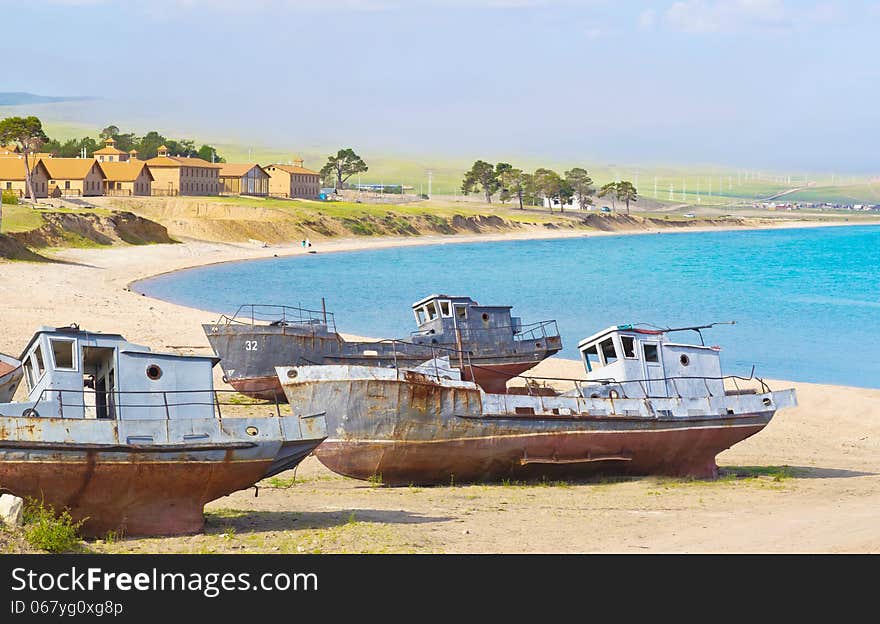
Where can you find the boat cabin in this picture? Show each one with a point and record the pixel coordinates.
(72, 373)
(439, 316)
(639, 363)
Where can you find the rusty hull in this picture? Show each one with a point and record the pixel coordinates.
(133, 493)
(679, 453)
(149, 476)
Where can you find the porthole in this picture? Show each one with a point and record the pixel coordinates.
(154, 372)
(485, 317)
(291, 373)
(684, 359)
(252, 431)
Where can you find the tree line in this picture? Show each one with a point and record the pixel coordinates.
(147, 146)
(508, 183)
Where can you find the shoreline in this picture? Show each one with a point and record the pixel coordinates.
(825, 452)
(343, 245)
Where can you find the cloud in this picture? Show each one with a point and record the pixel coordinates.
(724, 16)
(647, 19)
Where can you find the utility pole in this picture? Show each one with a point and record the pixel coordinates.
(655, 187)
(430, 179)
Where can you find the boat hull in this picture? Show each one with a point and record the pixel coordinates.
(405, 428)
(144, 478)
(678, 453)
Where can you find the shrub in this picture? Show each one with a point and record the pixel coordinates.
(9, 197)
(45, 530)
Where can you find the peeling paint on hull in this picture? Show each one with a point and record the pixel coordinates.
(574, 454)
(137, 497)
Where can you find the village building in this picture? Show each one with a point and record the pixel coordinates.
(179, 175)
(80, 177)
(294, 181)
(13, 177)
(129, 178)
(244, 179)
(10, 150)
(110, 153)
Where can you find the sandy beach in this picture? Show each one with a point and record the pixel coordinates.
(810, 482)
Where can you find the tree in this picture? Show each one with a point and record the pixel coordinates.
(481, 174)
(549, 185)
(581, 185)
(207, 152)
(514, 183)
(627, 193)
(342, 166)
(149, 145)
(609, 189)
(109, 131)
(506, 175)
(27, 133)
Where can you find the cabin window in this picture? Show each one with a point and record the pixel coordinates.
(591, 357)
(432, 311)
(37, 364)
(608, 352)
(420, 316)
(445, 311)
(629, 346)
(651, 353)
(461, 311)
(62, 353)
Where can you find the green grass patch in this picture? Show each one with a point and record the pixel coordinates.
(46, 530)
(776, 473)
(20, 218)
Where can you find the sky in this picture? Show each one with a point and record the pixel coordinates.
(757, 83)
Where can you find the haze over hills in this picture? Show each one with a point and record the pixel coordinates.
(20, 98)
(677, 184)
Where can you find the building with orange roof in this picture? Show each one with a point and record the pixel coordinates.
(13, 176)
(244, 179)
(294, 180)
(180, 175)
(128, 178)
(6, 150)
(110, 153)
(74, 176)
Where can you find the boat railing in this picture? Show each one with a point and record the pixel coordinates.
(619, 391)
(457, 357)
(115, 400)
(541, 330)
(268, 314)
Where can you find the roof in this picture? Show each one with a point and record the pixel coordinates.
(13, 168)
(68, 168)
(237, 170)
(294, 169)
(128, 171)
(180, 161)
(456, 298)
(14, 149)
(110, 150)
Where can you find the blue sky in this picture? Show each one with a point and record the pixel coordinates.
(755, 83)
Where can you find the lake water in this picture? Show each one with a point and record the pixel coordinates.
(806, 301)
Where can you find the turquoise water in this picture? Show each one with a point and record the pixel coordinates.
(806, 301)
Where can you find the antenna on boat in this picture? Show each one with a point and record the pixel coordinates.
(697, 328)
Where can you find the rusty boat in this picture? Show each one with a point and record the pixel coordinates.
(646, 405)
(134, 441)
(491, 345)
